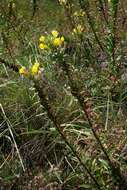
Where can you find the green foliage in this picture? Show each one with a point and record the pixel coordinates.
(63, 116)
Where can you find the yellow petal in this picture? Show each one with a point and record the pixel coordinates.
(43, 46)
(35, 68)
(42, 39)
(55, 33)
(62, 39)
(23, 71)
(57, 42)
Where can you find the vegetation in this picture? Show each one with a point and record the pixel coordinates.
(63, 94)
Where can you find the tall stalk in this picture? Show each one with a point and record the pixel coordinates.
(85, 6)
(39, 88)
(116, 172)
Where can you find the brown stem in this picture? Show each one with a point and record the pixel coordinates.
(76, 93)
(114, 30)
(103, 11)
(39, 87)
(90, 21)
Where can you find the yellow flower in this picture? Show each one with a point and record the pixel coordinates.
(55, 33)
(79, 13)
(43, 46)
(78, 30)
(62, 39)
(23, 71)
(13, 5)
(62, 2)
(42, 39)
(57, 42)
(35, 68)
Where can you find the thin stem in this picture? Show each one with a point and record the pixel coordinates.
(10, 130)
(76, 93)
(53, 118)
(107, 113)
(90, 21)
(103, 11)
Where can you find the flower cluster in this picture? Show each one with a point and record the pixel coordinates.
(35, 70)
(43, 44)
(54, 39)
(12, 4)
(48, 43)
(79, 13)
(78, 29)
(63, 2)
